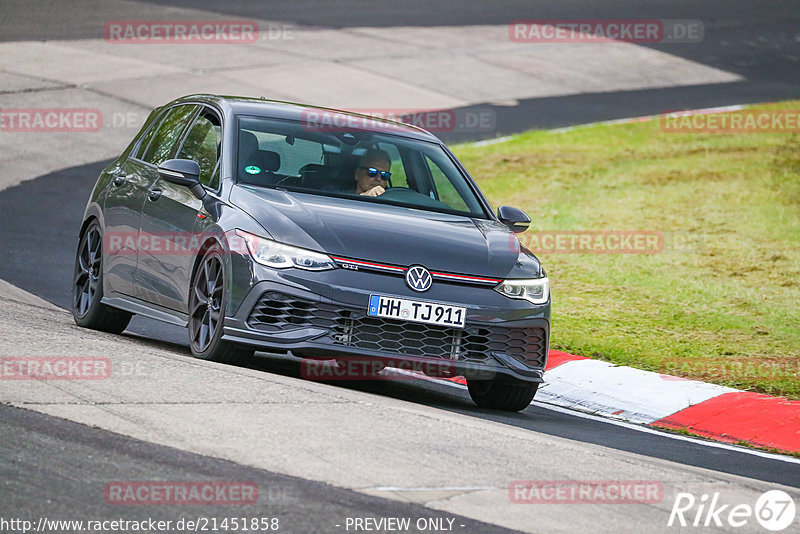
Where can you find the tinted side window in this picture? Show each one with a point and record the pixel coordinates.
(445, 188)
(397, 169)
(202, 145)
(167, 133)
(214, 182)
(145, 140)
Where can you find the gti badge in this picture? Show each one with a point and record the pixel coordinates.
(418, 278)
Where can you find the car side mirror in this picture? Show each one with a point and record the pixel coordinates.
(183, 172)
(514, 218)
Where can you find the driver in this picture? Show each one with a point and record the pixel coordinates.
(372, 173)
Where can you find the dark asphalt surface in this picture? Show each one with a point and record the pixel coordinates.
(56, 469)
(756, 39)
(40, 221)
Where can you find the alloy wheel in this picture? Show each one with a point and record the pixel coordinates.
(87, 271)
(205, 303)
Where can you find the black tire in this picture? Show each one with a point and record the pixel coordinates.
(207, 300)
(87, 287)
(502, 394)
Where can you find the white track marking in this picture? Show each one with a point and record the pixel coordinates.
(632, 426)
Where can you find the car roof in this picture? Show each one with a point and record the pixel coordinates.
(278, 109)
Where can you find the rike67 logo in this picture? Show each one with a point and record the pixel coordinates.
(774, 510)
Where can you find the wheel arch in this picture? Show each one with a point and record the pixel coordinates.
(93, 213)
(89, 220)
(208, 243)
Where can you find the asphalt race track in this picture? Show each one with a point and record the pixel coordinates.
(49, 463)
(755, 39)
(758, 40)
(53, 230)
(93, 453)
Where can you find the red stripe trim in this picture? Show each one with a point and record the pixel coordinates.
(465, 277)
(404, 269)
(357, 262)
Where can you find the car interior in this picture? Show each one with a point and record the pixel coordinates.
(272, 154)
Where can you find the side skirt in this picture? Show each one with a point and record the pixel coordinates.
(147, 309)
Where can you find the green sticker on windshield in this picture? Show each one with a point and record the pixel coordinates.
(252, 169)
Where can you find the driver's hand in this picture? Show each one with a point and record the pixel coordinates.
(375, 191)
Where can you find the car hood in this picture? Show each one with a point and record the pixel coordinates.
(388, 234)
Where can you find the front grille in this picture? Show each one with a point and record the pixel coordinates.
(275, 311)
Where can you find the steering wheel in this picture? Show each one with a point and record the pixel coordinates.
(398, 192)
(409, 196)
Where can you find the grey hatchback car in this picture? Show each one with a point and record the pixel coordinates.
(328, 235)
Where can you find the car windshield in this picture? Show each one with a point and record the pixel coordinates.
(349, 162)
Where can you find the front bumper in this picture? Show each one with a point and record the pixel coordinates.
(322, 315)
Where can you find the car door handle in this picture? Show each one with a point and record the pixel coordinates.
(154, 194)
(120, 179)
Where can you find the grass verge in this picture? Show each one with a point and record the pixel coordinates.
(720, 301)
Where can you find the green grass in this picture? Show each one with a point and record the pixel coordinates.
(724, 309)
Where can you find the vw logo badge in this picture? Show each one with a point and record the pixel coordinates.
(418, 278)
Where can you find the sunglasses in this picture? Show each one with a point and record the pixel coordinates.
(372, 172)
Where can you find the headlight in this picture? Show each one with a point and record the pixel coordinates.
(273, 254)
(535, 291)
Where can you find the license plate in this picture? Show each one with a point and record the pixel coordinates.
(417, 311)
